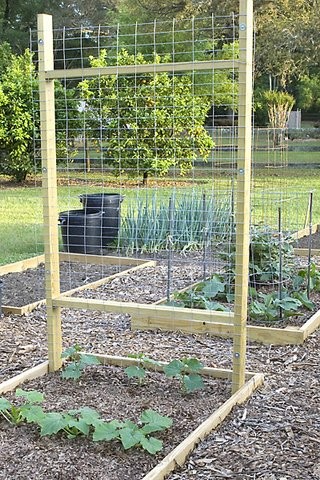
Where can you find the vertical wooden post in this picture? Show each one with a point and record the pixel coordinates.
(49, 188)
(243, 192)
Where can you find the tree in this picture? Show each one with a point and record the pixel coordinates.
(19, 117)
(16, 117)
(308, 92)
(287, 45)
(18, 17)
(147, 124)
(279, 105)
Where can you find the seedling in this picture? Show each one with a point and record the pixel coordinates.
(186, 370)
(139, 371)
(77, 362)
(26, 412)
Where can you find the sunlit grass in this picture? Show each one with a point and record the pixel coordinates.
(21, 218)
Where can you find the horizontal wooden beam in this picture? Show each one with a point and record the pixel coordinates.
(103, 259)
(22, 265)
(73, 258)
(119, 361)
(166, 312)
(34, 372)
(267, 335)
(140, 69)
(104, 280)
(305, 232)
(304, 252)
(24, 309)
(180, 453)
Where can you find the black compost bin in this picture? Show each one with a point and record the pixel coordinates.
(109, 204)
(81, 231)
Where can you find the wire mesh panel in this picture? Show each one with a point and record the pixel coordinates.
(146, 130)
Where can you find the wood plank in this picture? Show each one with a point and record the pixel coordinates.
(119, 361)
(180, 453)
(311, 325)
(103, 259)
(266, 335)
(304, 232)
(22, 265)
(34, 372)
(242, 195)
(304, 252)
(144, 68)
(142, 310)
(49, 189)
(24, 309)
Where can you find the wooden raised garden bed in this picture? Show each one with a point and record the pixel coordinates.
(125, 263)
(221, 323)
(177, 456)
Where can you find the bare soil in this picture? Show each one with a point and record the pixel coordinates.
(23, 288)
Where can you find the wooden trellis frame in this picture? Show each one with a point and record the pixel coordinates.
(54, 300)
(180, 453)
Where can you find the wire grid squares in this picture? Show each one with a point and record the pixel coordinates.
(146, 116)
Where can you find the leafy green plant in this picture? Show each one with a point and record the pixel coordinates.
(206, 295)
(85, 421)
(26, 412)
(301, 279)
(130, 434)
(186, 370)
(139, 371)
(270, 306)
(77, 362)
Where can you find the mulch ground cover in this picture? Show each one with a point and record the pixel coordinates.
(273, 436)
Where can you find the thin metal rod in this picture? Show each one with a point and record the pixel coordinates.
(170, 231)
(309, 244)
(205, 236)
(1, 291)
(280, 260)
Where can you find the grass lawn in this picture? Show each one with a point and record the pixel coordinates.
(21, 207)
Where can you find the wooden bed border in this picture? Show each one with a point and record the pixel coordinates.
(34, 262)
(267, 335)
(179, 454)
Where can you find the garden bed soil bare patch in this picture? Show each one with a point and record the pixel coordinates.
(107, 390)
(312, 240)
(22, 288)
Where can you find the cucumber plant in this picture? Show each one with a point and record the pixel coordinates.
(187, 371)
(139, 371)
(77, 362)
(86, 421)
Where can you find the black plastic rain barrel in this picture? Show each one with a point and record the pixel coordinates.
(81, 231)
(110, 204)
